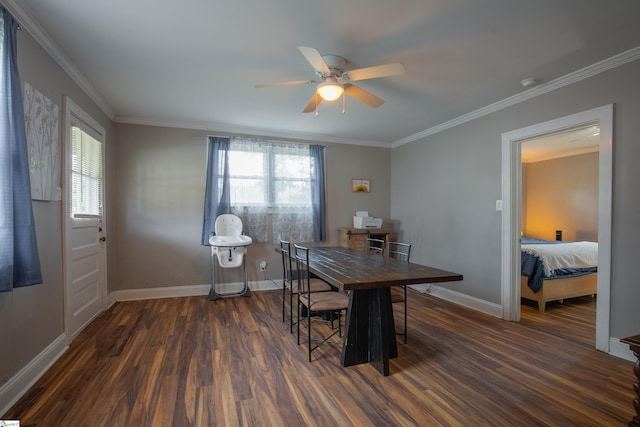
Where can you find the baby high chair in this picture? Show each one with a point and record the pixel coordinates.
(229, 247)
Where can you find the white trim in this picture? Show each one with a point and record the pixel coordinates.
(188, 291)
(619, 349)
(233, 130)
(511, 213)
(464, 300)
(30, 25)
(584, 73)
(20, 383)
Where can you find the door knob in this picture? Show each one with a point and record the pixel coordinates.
(103, 239)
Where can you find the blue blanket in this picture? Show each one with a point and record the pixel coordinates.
(532, 267)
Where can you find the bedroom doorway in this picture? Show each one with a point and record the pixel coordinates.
(512, 210)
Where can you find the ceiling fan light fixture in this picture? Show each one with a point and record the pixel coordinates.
(330, 89)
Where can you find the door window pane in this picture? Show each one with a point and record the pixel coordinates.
(86, 174)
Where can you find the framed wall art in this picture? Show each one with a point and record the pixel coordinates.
(360, 185)
(41, 124)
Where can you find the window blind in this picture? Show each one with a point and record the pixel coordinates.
(86, 174)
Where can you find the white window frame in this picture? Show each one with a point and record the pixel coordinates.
(269, 178)
(88, 173)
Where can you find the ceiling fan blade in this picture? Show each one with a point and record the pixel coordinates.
(375, 72)
(363, 96)
(291, 83)
(313, 103)
(315, 59)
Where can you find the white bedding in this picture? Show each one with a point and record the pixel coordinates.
(564, 255)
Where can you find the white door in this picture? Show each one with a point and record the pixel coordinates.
(84, 231)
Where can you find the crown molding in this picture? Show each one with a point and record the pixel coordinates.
(37, 32)
(31, 26)
(249, 132)
(574, 77)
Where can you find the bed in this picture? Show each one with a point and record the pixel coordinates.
(552, 271)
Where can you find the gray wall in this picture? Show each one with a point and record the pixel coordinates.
(561, 194)
(158, 192)
(32, 317)
(444, 188)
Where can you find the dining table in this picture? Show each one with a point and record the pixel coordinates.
(370, 329)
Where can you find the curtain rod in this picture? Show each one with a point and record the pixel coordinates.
(267, 140)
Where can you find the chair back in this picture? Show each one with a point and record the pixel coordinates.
(302, 268)
(228, 225)
(375, 246)
(399, 250)
(287, 266)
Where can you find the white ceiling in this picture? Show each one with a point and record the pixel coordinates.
(194, 63)
(571, 143)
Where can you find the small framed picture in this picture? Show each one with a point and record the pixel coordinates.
(360, 185)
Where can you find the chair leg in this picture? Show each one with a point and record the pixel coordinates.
(291, 312)
(405, 314)
(309, 334)
(298, 322)
(283, 297)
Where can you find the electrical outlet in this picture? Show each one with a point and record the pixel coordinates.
(263, 265)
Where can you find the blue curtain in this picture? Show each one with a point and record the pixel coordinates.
(19, 261)
(217, 198)
(317, 192)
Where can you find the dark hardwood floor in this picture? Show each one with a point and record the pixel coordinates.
(193, 362)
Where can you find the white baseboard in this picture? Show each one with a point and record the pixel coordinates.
(20, 383)
(474, 303)
(187, 291)
(620, 349)
(616, 348)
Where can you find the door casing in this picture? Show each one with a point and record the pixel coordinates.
(512, 210)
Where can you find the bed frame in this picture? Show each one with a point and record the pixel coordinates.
(559, 289)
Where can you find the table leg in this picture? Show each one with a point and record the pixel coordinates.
(636, 386)
(370, 330)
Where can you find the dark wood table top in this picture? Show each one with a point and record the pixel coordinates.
(350, 269)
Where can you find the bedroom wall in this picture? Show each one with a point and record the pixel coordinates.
(32, 317)
(561, 194)
(158, 194)
(444, 188)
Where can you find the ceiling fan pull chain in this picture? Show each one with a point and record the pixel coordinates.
(344, 103)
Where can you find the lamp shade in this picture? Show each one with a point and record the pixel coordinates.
(330, 89)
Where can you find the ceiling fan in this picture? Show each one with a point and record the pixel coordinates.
(334, 81)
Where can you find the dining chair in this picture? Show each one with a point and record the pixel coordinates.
(316, 302)
(401, 251)
(290, 283)
(375, 246)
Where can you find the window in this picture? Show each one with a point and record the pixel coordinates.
(277, 189)
(269, 174)
(270, 189)
(86, 174)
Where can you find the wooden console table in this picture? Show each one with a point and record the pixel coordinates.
(356, 238)
(634, 345)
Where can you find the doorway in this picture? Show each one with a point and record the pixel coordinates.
(83, 219)
(512, 210)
